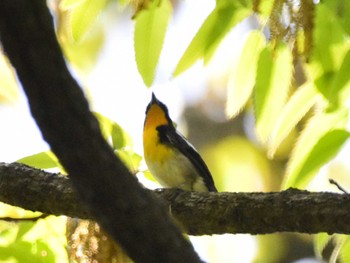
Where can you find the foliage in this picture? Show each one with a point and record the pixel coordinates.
(292, 71)
(339, 245)
(150, 27)
(40, 241)
(242, 80)
(120, 141)
(225, 16)
(44, 240)
(79, 31)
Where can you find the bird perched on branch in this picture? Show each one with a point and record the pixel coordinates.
(172, 160)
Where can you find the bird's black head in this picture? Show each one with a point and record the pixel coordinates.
(157, 114)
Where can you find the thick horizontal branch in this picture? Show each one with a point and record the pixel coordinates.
(198, 213)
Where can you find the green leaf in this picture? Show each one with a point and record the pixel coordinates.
(242, 80)
(265, 8)
(326, 148)
(24, 228)
(339, 243)
(225, 15)
(150, 29)
(131, 159)
(323, 84)
(42, 160)
(120, 138)
(147, 174)
(40, 241)
(318, 143)
(83, 16)
(69, 4)
(345, 250)
(113, 132)
(274, 75)
(329, 41)
(84, 54)
(18, 252)
(331, 45)
(342, 10)
(320, 242)
(340, 87)
(297, 106)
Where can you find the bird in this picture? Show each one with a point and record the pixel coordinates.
(171, 159)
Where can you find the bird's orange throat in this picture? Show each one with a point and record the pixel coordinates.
(153, 150)
(155, 117)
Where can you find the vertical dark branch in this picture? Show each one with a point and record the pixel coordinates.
(131, 215)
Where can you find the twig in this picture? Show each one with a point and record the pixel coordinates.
(24, 219)
(331, 181)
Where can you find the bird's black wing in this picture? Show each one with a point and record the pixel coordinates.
(168, 135)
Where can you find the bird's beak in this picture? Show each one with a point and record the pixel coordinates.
(154, 99)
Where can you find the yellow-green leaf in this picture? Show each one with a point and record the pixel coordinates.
(295, 109)
(329, 40)
(332, 248)
(69, 4)
(320, 242)
(150, 29)
(84, 54)
(242, 80)
(274, 75)
(225, 15)
(340, 87)
(131, 159)
(345, 248)
(327, 146)
(42, 160)
(265, 8)
(83, 16)
(318, 143)
(113, 132)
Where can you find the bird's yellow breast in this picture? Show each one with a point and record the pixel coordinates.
(154, 151)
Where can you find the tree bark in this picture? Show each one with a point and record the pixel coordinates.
(198, 213)
(131, 215)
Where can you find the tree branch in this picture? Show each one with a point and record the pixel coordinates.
(131, 215)
(198, 213)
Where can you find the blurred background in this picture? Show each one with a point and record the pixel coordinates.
(104, 64)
